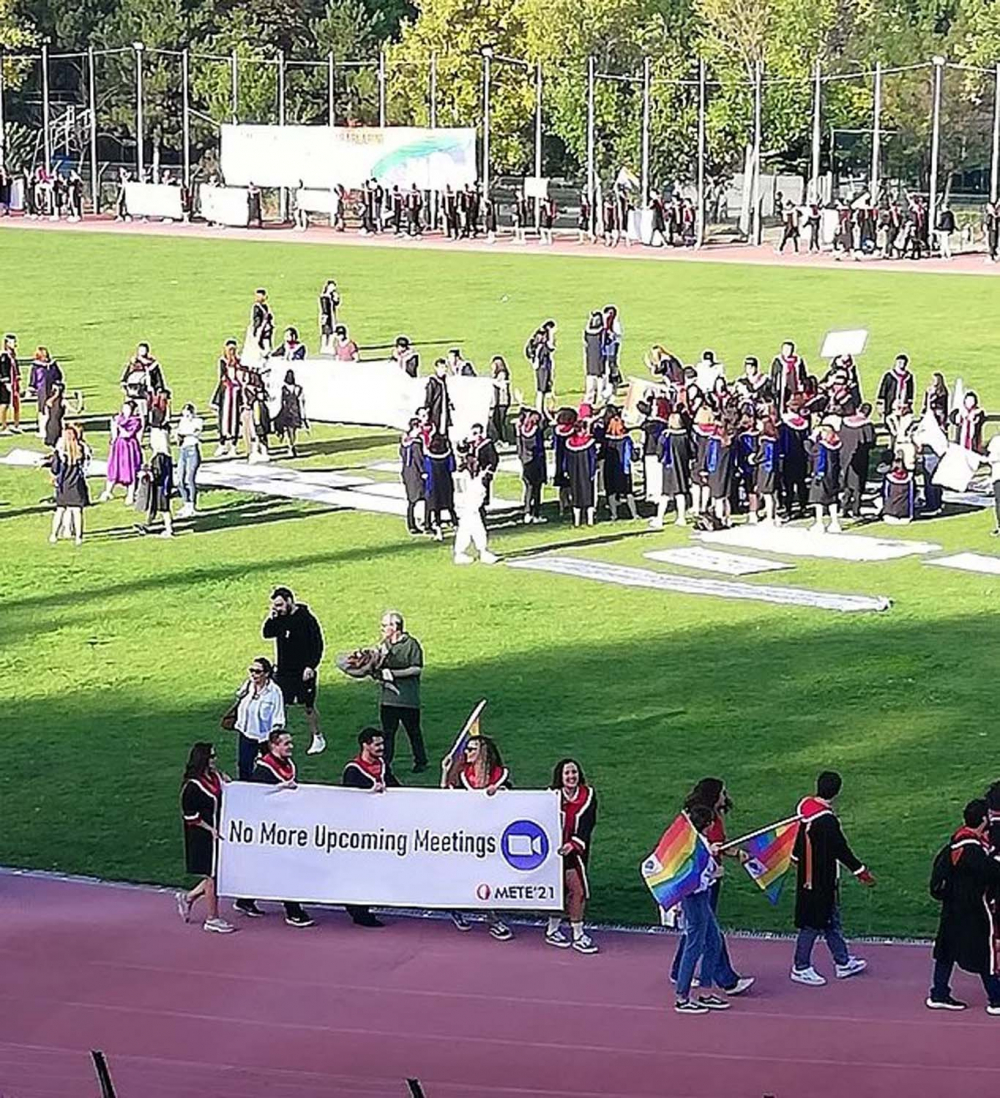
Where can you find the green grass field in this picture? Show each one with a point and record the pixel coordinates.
(117, 656)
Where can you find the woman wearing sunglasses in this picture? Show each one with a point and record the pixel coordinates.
(201, 800)
(260, 709)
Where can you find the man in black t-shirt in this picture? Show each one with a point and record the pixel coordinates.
(299, 648)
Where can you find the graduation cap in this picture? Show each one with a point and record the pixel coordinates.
(261, 291)
(231, 343)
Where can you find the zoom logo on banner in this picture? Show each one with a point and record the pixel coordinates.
(524, 845)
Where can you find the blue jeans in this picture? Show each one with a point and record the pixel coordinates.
(725, 976)
(703, 942)
(941, 990)
(190, 459)
(246, 756)
(834, 940)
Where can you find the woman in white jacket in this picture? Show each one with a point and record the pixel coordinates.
(470, 495)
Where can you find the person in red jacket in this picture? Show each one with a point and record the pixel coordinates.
(578, 808)
(820, 850)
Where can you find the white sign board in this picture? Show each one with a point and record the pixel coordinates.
(224, 205)
(377, 393)
(322, 156)
(404, 847)
(318, 201)
(849, 342)
(153, 200)
(536, 187)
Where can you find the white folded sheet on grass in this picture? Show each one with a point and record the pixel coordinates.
(969, 562)
(800, 541)
(708, 560)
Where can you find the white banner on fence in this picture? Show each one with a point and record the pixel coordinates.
(377, 393)
(224, 205)
(153, 200)
(404, 847)
(322, 156)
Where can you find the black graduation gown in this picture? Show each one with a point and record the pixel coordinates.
(438, 404)
(328, 312)
(619, 454)
(290, 417)
(489, 462)
(793, 451)
(560, 433)
(200, 801)
(581, 468)
(531, 454)
(356, 776)
(55, 414)
(857, 437)
(968, 931)
(593, 358)
(765, 479)
(820, 847)
(439, 488)
(719, 466)
(699, 468)
(824, 473)
(898, 496)
(895, 388)
(411, 454)
(674, 451)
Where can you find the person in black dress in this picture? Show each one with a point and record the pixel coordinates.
(68, 464)
(593, 357)
(531, 454)
(329, 303)
(160, 487)
(766, 465)
(436, 399)
(824, 477)
(673, 448)
(412, 472)
(619, 458)
(291, 416)
(857, 438)
(792, 434)
(201, 805)
(581, 471)
(55, 413)
(719, 462)
(262, 322)
(439, 484)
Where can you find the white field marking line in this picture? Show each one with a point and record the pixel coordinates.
(708, 560)
(628, 576)
(554, 1046)
(442, 916)
(969, 562)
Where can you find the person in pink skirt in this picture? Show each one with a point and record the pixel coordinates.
(125, 457)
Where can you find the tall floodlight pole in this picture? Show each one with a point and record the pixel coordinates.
(702, 113)
(331, 72)
(758, 96)
(538, 139)
(46, 134)
(282, 193)
(876, 132)
(234, 87)
(995, 159)
(92, 105)
(140, 153)
(817, 127)
(432, 92)
(381, 88)
(935, 138)
(487, 66)
(646, 111)
(186, 115)
(2, 130)
(591, 151)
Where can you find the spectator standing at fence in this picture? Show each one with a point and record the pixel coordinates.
(966, 881)
(298, 641)
(399, 693)
(820, 849)
(329, 303)
(201, 803)
(188, 434)
(368, 771)
(255, 212)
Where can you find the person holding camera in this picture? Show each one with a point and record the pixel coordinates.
(298, 642)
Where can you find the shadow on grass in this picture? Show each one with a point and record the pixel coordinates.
(900, 712)
(345, 445)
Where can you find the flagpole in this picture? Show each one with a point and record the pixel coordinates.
(470, 721)
(753, 834)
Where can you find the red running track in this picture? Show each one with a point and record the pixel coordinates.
(340, 1011)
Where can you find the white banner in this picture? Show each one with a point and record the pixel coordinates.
(377, 393)
(317, 201)
(153, 200)
(404, 847)
(322, 156)
(224, 205)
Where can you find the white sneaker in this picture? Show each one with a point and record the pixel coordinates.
(166, 534)
(655, 524)
(317, 747)
(557, 939)
(185, 511)
(680, 522)
(743, 983)
(817, 528)
(808, 976)
(501, 931)
(486, 557)
(463, 558)
(835, 528)
(459, 921)
(585, 944)
(852, 968)
(218, 926)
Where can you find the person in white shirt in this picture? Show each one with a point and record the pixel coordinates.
(260, 709)
(188, 435)
(470, 495)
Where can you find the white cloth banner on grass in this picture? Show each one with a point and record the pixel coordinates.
(626, 576)
(969, 562)
(405, 847)
(323, 156)
(799, 541)
(957, 468)
(153, 200)
(728, 564)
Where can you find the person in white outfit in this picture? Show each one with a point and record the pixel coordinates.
(470, 495)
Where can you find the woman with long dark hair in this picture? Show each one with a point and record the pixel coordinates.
(291, 416)
(578, 809)
(201, 803)
(711, 793)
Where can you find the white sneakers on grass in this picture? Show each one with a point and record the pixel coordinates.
(318, 746)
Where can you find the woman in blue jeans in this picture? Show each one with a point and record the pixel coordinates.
(712, 794)
(188, 433)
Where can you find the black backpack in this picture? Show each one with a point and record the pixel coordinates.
(941, 872)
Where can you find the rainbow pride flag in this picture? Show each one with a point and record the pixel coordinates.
(770, 855)
(677, 866)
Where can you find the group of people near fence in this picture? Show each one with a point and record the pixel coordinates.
(43, 193)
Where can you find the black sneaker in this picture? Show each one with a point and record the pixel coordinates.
(689, 1006)
(248, 908)
(714, 1002)
(419, 768)
(950, 1003)
(299, 918)
(368, 919)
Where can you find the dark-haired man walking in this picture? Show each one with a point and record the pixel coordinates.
(298, 641)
